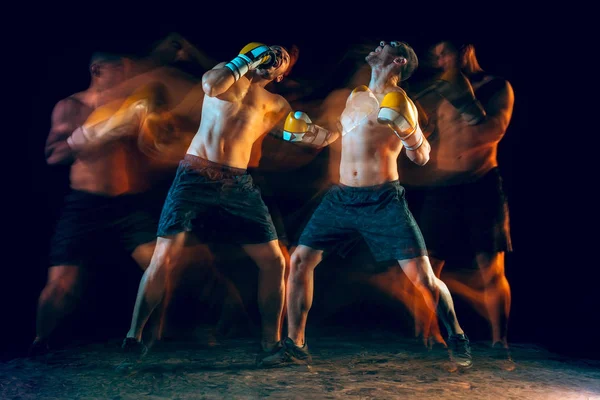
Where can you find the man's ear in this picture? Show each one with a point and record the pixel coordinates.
(95, 70)
(400, 60)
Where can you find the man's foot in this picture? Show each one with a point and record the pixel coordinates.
(275, 356)
(39, 347)
(501, 354)
(134, 347)
(460, 350)
(285, 352)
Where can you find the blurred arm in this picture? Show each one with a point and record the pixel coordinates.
(57, 151)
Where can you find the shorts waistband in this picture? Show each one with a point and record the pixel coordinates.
(372, 188)
(202, 163)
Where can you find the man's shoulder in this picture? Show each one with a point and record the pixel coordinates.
(76, 100)
(488, 81)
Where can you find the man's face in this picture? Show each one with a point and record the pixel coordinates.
(281, 65)
(444, 57)
(384, 54)
(107, 74)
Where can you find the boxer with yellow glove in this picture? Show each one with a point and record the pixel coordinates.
(369, 201)
(251, 57)
(299, 128)
(400, 113)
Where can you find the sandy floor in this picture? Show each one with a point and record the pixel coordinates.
(380, 365)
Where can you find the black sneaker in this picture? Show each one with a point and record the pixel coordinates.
(296, 353)
(285, 353)
(460, 350)
(275, 356)
(133, 347)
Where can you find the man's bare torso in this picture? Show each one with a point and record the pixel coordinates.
(459, 153)
(232, 125)
(113, 169)
(133, 164)
(369, 149)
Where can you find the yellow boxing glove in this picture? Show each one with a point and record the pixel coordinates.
(299, 128)
(400, 113)
(250, 57)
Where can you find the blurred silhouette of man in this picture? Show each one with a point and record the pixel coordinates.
(464, 209)
(122, 138)
(110, 198)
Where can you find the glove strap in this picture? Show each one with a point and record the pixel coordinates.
(238, 66)
(416, 146)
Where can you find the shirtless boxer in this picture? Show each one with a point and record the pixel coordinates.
(213, 198)
(377, 122)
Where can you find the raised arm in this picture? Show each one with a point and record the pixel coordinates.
(499, 109)
(105, 124)
(456, 88)
(57, 151)
(223, 75)
(401, 115)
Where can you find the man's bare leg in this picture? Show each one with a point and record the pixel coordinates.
(58, 299)
(426, 322)
(142, 254)
(154, 282)
(435, 292)
(271, 289)
(496, 295)
(286, 274)
(439, 300)
(304, 260)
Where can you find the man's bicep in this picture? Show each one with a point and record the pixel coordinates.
(501, 104)
(278, 116)
(64, 113)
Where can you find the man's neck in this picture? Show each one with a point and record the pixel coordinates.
(380, 81)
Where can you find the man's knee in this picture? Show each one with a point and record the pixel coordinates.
(167, 254)
(143, 253)
(61, 291)
(274, 263)
(427, 282)
(418, 270)
(302, 262)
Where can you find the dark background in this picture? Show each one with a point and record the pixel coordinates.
(554, 296)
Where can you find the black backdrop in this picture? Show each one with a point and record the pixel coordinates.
(553, 298)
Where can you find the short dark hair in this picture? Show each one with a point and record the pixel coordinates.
(412, 61)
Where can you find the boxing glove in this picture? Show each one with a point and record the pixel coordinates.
(250, 57)
(400, 113)
(298, 127)
(455, 87)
